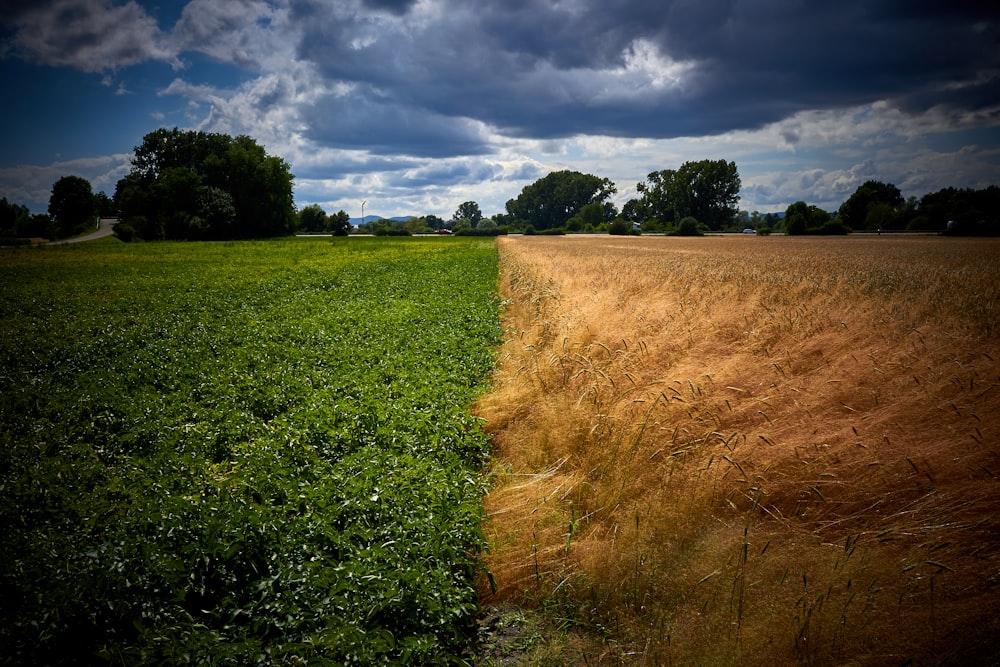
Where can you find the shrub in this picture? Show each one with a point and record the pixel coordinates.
(124, 231)
(619, 227)
(494, 231)
(688, 227)
(832, 228)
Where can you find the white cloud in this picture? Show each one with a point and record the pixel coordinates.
(32, 184)
(247, 33)
(90, 35)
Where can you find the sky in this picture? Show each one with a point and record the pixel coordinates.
(416, 106)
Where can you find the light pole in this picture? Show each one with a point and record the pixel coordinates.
(363, 211)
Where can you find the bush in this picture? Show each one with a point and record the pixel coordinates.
(688, 227)
(619, 227)
(495, 231)
(832, 228)
(124, 231)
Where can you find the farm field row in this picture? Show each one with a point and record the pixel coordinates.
(757, 451)
(243, 453)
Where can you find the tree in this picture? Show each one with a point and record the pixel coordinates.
(589, 218)
(634, 210)
(211, 173)
(962, 211)
(312, 218)
(661, 196)
(72, 205)
(105, 206)
(553, 199)
(217, 210)
(434, 222)
(855, 211)
(707, 190)
(802, 218)
(176, 196)
(468, 211)
(14, 219)
(339, 223)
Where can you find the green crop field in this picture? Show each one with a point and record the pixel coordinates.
(243, 453)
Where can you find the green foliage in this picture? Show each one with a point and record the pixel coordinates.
(198, 185)
(857, 211)
(312, 218)
(552, 200)
(707, 190)
(468, 211)
(124, 231)
(962, 212)
(802, 218)
(242, 453)
(688, 227)
(619, 227)
(14, 219)
(482, 231)
(589, 216)
(339, 223)
(832, 228)
(72, 206)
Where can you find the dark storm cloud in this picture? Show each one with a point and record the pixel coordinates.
(542, 69)
(88, 35)
(446, 173)
(391, 6)
(347, 165)
(363, 120)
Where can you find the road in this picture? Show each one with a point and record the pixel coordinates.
(104, 229)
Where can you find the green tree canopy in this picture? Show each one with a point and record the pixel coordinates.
(186, 184)
(468, 211)
(72, 205)
(312, 218)
(339, 223)
(961, 211)
(552, 200)
(15, 219)
(857, 212)
(800, 218)
(707, 190)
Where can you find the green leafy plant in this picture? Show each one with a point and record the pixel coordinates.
(243, 452)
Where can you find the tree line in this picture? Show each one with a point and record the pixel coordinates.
(74, 209)
(198, 185)
(880, 207)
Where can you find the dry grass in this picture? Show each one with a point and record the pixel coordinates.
(765, 450)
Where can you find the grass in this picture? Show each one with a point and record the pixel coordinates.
(243, 453)
(764, 450)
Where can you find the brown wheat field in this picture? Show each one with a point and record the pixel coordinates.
(748, 450)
